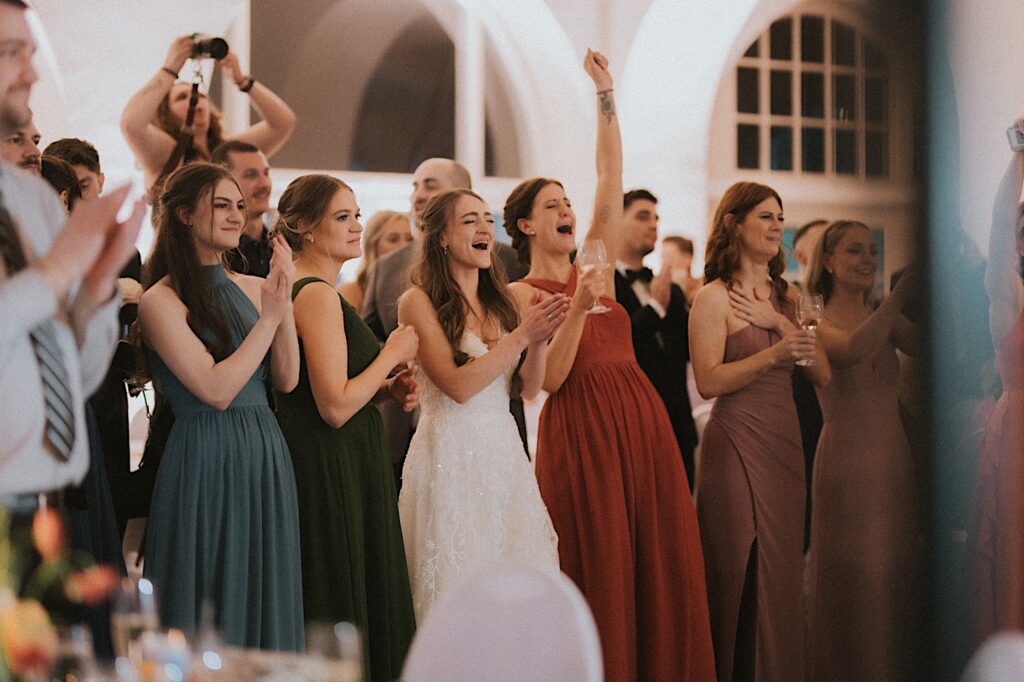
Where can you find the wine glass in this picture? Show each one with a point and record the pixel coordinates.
(74, 659)
(590, 255)
(808, 314)
(336, 649)
(132, 614)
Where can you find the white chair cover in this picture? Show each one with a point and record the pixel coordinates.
(512, 623)
(999, 659)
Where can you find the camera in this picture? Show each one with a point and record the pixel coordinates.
(208, 46)
(1016, 138)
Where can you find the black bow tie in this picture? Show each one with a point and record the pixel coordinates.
(643, 274)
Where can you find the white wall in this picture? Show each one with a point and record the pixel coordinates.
(668, 59)
(986, 42)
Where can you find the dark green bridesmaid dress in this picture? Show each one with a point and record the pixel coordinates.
(223, 525)
(353, 557)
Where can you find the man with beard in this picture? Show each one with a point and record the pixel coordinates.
(58, 298)
(20, 147)
(252, 173)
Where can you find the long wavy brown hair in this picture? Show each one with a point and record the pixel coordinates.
(520, 205)
(175, 254)
(819, 279)
(722, 254)
(170, 124)
(432, 273)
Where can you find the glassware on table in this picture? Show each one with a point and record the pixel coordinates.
(133, 613)
(809, 309)
(74, 659)
(340, 648)
(590, 255)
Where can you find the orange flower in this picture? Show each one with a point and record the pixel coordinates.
(92, 586)
(27, 638)
(48, 533)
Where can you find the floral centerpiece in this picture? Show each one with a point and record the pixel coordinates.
(28, 636)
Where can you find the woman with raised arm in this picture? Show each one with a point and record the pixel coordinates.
(353, 560)
(750, 484)
(864, 565)
(224, 521)
(153, 117)
(469, 498)
(608, 464)
(997, 524)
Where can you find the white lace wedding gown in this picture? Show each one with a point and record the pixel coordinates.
(469, 497)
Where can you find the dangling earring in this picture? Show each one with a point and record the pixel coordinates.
(309, 238)
(444, 248)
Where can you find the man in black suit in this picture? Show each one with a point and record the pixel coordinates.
(659, 315)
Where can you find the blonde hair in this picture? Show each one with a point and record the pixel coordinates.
(372, 234)
(820, 280)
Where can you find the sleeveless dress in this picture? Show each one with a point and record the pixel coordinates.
(750, 502)
(865, 565)
(610, 471)
(469, 498)
(996, 554)
(224, 523)
(353, 561)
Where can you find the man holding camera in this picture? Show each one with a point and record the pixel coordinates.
(58, 298)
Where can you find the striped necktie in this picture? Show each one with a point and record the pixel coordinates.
(60, 418)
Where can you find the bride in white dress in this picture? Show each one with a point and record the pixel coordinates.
(469, 497)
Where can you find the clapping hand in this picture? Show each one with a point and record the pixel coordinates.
(661, 286)
(403, 344)
(276, 298)
(404, 388)
(282, 257)
(93, 245)
(543, 317)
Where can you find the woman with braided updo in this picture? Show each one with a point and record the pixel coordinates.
(353, 561)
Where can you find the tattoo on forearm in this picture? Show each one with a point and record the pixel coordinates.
(607, 103)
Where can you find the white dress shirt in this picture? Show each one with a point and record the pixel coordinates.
(642, 290)
(86, 334)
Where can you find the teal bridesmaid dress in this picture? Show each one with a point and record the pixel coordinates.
(224, 521)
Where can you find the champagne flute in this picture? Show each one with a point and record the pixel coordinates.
(133, 613)
(808, 313)
(336, 650)
(74, 659)
(590, 255)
